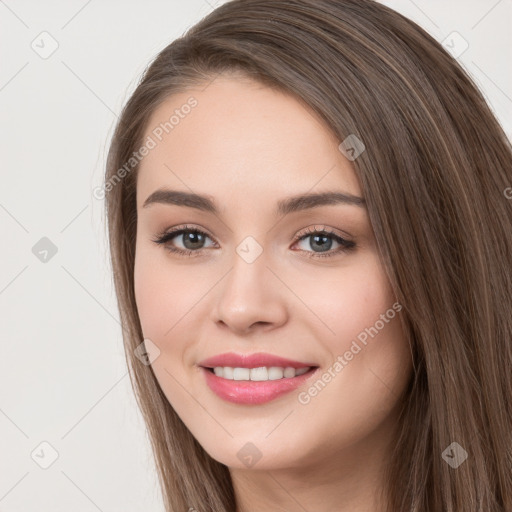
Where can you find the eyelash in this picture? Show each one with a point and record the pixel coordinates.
(164, 238)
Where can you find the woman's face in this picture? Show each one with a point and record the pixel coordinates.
(268, 276)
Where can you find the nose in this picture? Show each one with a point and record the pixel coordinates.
(251, 298)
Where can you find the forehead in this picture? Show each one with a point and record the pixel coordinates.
(239, 135)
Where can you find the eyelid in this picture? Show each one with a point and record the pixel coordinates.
(322, 228)
(173, 232)
(317, 228)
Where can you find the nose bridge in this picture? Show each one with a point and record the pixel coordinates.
(248, 273)
(250, 293)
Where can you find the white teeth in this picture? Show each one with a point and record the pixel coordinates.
(289, 372)
(241, 373)
(259, 374)
(275, 373)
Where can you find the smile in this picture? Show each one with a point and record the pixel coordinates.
(237, 386)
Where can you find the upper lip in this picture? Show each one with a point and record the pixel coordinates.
(257, 360)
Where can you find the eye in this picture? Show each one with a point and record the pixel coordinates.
(191, 238)
(193, 241)
(322, 239)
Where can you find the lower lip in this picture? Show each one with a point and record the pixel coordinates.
(253, 392)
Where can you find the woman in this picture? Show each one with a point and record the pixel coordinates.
(311, 239)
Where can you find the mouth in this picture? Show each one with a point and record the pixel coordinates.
(255, 386)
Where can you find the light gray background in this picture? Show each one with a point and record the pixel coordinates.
(63, 378)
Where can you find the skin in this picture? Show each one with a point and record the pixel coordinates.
(248, 146)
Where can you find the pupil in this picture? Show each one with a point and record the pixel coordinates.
(194, 238)
(321, 240)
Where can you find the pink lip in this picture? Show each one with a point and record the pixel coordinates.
(252, 392)
(251, 361)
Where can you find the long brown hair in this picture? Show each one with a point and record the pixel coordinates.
(435, 176)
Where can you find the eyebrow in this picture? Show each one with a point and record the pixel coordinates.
(284, 206)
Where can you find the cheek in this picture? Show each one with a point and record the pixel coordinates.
(159, 294)
(370, 359)
(370, 363)
(349, 301)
